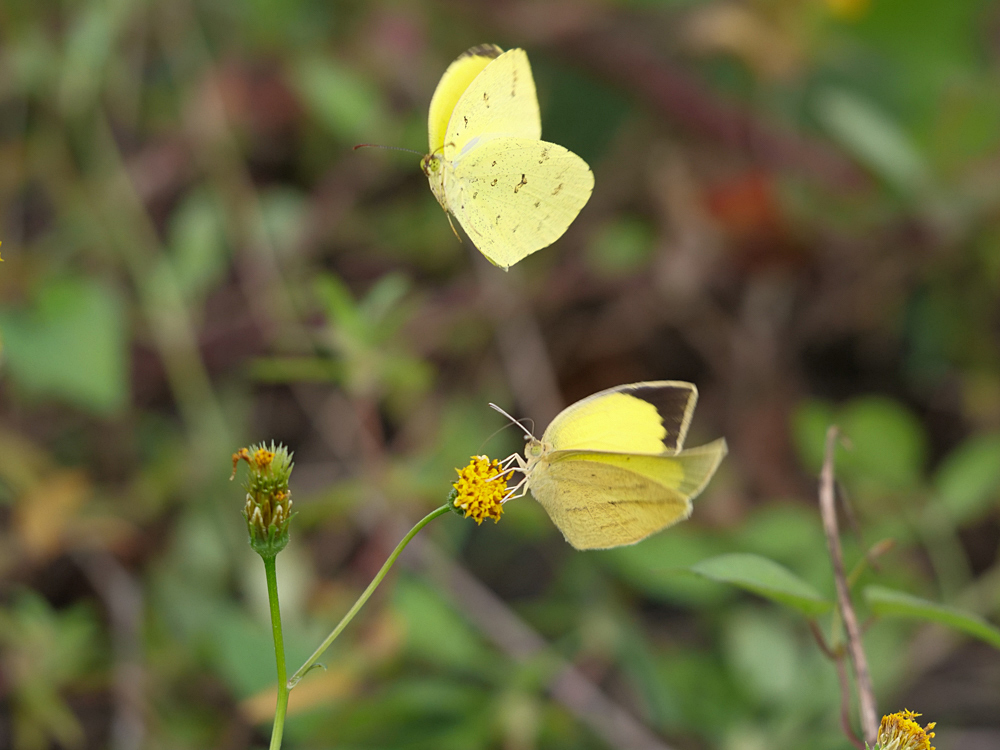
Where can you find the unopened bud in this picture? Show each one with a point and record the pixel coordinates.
(269, 501)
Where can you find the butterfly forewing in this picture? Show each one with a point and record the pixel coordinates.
(651, 417)
(514, 196)
(500, 100)
(452, 85)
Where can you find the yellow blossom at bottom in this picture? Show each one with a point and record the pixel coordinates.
(899, 731)
(477, 492)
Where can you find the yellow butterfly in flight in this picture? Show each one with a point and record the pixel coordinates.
(512, 192)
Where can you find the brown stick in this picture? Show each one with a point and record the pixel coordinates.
(855, 649)
(837, 657)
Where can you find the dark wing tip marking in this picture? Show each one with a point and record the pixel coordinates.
(482, 50)
(671, 403)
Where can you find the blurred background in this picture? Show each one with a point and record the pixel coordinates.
(797, 207)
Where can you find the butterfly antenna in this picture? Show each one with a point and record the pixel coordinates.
(497, 408)
(387, 148)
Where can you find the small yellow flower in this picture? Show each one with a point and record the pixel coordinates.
(899, 731)
(263, 458)
(481, 489)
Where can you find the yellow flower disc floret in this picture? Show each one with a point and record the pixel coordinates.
(480, 489)
(899, 731)
(263, 458)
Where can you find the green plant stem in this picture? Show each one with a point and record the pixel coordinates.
(365, 595)
(279, 654)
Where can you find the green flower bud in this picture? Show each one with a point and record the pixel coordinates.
(268, 508)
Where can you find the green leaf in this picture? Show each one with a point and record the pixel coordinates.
(888, 602)
(873, 138)
(620, 247)
(197, 243)
(71, 344)
(809, 425)
(435, 631)
(968, 481)
(658, 567)
(765, 578)
(348, 105)
(887, 442)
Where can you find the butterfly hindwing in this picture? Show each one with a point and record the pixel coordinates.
(602, 500)
(514, 196)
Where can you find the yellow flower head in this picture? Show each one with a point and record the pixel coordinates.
(481, 489)
(260, 459)
(263, 458)
(899, 731)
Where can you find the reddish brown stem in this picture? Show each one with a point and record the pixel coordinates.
(855, 648)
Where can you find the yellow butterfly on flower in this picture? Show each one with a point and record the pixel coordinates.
(609, 470)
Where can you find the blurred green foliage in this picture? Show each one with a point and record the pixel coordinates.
(796, 207)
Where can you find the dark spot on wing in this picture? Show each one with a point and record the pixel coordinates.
(494, 164)
(486, 99)
(671, 402)
(466, 120)
(494, 183)
(522, 182)
(537, 204)
(497, 222)
(475, 195)
(545, 156)
(559, 188)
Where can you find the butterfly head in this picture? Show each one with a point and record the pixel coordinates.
(534, 450)
(430, 164)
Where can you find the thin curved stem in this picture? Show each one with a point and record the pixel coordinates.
(279, 654)
(294, 680)
(855, 648)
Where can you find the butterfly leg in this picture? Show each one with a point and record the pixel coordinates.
(452, 225)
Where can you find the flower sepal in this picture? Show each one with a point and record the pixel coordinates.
(270, 541)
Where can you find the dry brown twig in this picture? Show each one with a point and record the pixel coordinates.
(855, 648)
